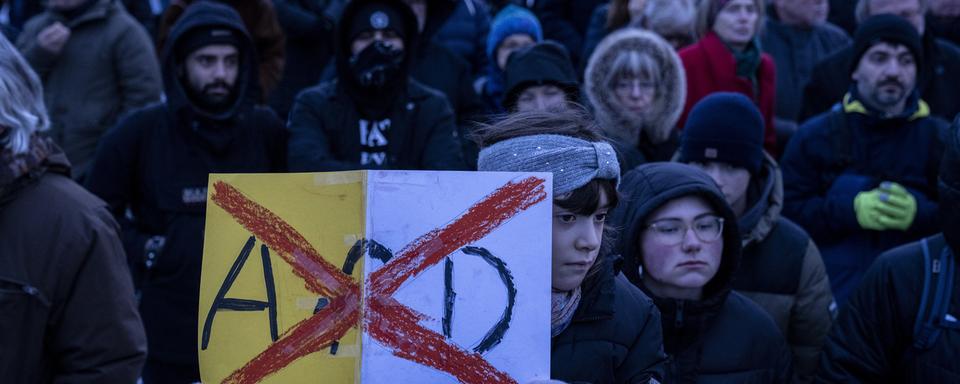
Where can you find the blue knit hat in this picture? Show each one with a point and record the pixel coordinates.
(509, 21)
(724, 127)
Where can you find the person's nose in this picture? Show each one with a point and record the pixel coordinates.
(588, 238)
(691, 242)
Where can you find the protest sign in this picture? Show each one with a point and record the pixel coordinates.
(376, 277)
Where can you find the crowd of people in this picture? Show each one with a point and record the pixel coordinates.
(744, 190)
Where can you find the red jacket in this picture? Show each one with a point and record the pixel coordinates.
(710, 67)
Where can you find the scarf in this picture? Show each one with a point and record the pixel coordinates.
(562, 307)
(748, 61)
(13, 168)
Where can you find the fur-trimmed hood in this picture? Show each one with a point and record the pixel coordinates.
(668, 101)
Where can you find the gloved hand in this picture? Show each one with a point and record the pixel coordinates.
(867, 205)
(900, 207)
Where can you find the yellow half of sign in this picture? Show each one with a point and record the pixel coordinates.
(249, 292)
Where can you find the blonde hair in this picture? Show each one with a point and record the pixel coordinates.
(632, 63)
(707, 12)
(660, 16)
(21, 99)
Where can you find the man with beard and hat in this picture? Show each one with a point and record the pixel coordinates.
(893, 329)
(861, 178)
(152, 170)
(936, 78)
(96, 64)
(373, 115)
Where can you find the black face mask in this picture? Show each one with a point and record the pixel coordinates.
(377, 65)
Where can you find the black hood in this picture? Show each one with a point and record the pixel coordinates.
(949, 187)
(207, 14)
(650, 186)
(343, 51)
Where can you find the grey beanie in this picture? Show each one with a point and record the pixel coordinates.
(573, 162)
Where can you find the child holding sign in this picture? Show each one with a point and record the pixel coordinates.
(604, 330)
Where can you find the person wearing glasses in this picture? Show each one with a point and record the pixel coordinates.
(780, 268)
(681, 246)
(636, 86)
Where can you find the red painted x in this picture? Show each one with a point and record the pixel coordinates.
(386, 320)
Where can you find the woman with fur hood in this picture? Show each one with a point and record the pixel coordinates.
(636, 86)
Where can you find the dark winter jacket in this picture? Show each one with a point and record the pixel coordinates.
(309, 30)
(67, 307)
(795, 51)
(566, 22)
(647, 137)
(105, 70)
(260, 20)
(156, 163)
(724, 337)
(325, 120)
(465, 34)
(711, 67)
(614, 336)
(782, 271)
(596, 31)
(821, 181)
(935, 79)
(872, 339)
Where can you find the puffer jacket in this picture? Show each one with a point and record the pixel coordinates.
(651, 136)
(782, 271)
(614, 336)
(723, 337)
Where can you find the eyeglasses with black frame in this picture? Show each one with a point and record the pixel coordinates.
(673, 231)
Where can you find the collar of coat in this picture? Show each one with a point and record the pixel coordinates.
(852, 105)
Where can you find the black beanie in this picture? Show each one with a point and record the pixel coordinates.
(539, 64)
(724, 127)
(374, 16)
(886, 28)
(203, 36)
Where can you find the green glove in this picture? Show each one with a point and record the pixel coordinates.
(867, 205)
(899, 208)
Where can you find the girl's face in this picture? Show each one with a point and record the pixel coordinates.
(736, 23)
(682, 248)
(635, 8)
(576, 243)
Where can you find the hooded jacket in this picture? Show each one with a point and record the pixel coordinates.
(156, 163)
(614, 336)
(325, 119)
(724, 337)
(782, 271)
(106, 69)
(871, 341)
(67, 307)
(649, 137)
(821, 181)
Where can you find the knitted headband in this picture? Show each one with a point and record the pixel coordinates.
(573, 162)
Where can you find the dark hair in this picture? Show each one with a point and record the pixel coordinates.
(573, 122)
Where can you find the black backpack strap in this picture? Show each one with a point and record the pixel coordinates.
(938, 275)
(840, 138)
